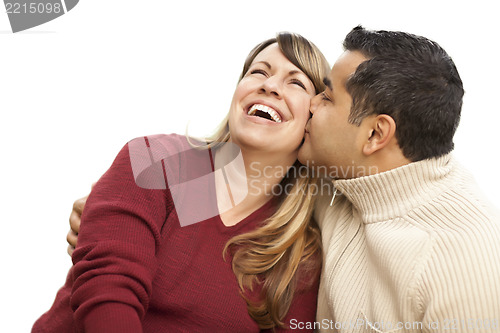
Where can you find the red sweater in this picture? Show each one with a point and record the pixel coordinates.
(137, 270)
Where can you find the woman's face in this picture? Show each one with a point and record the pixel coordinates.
(270, 106)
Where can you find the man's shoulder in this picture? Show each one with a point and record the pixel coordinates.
(461, 205)
(460, 217)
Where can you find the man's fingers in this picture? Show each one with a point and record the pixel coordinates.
(79, 204)
(74, 222)
(72, 238)
(76, 214)
(70, 250)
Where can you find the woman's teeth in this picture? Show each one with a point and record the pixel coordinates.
(266, 109)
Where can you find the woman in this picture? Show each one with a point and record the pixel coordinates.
(255, 266)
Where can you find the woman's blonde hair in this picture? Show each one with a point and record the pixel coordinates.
(271, 255)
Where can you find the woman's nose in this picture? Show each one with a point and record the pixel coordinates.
(272, 86)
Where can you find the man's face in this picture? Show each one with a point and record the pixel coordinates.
(330, 140)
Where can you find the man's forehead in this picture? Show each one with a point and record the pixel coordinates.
(347, 63)
(344, 67)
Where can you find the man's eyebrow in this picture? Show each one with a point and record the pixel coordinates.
(327, 82)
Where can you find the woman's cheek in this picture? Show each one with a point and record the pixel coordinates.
(305, 114)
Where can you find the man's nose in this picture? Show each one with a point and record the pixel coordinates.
(314, 103)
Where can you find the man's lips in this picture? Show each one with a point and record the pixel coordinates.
(307, 128)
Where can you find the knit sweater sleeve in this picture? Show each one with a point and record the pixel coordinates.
(114, 262)
(458, 285)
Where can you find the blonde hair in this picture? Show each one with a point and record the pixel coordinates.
(272, 254)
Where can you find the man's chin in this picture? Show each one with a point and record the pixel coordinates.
(304, 155)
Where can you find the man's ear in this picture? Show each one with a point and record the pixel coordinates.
(381, 131)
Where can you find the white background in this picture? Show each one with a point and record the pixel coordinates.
(75, 90)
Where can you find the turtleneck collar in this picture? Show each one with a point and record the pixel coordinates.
(394, 193)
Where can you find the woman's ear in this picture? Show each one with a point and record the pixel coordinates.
(381, 130)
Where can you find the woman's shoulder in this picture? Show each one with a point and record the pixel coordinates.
(161, 146)
(172, 156)
(148, 155)
(160, 141)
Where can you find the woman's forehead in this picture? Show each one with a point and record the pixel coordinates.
(273, 56)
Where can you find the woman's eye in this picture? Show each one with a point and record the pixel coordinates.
(299, 83)
(259, 71)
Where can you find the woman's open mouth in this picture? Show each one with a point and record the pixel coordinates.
(264, 111)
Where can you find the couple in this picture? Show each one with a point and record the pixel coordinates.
(407, 242)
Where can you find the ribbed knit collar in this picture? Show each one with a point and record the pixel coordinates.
(394, 193)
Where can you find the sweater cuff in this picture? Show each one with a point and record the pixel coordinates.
(112, 318)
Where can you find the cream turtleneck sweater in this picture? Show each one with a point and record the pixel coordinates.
(414, 249)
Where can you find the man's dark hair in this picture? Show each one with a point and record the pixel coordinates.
(413, 80)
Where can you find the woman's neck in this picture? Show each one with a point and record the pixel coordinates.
(246, 180)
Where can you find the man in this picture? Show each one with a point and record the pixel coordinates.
(410, 245)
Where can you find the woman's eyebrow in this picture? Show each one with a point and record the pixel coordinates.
(265, 63)
(293, 72)
(268, 65)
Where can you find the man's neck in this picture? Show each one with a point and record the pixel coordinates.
(384, 161)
